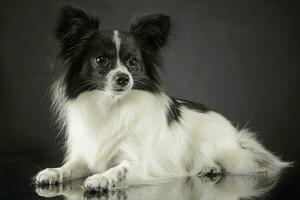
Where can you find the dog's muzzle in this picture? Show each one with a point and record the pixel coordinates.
(121, 81)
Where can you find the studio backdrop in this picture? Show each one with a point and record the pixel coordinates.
(240, 58)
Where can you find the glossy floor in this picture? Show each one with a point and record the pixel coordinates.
(16, 183)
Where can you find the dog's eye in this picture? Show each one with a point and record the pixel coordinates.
(101, 60)
(132, 62)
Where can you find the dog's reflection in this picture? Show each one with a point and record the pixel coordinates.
(200, 188)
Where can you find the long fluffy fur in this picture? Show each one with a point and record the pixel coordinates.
(143, 135)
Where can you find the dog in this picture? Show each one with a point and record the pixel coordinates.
(120, 123)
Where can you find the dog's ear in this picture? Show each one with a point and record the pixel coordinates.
(74, 26)
(151, 30)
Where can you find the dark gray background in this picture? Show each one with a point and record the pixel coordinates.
(240, 58)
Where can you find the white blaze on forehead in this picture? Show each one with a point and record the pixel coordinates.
(117, 41)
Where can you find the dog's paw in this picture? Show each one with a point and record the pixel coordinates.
(99, 182)
(211, 170)
(49, 176)
(216, 170)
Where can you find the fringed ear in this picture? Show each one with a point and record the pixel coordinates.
(74, 26)
(151, 30)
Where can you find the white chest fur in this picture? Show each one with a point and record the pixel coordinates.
(98, 126)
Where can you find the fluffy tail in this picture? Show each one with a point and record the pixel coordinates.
(253, 158)
(265, 160)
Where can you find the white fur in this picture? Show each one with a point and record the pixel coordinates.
(103, 131)
(126, 138)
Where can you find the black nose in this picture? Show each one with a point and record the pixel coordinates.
(122, 79)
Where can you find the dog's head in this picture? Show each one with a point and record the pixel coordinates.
(109, 60)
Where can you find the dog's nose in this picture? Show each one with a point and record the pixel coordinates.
(122, 79)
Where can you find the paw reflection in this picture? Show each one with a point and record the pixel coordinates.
(109, 195)
(202, 188)
(48, 191)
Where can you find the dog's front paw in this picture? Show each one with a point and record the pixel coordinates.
(49, 176)
(211, 170)
(216, 170)
(99, 182)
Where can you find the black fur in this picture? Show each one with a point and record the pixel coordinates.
(151, 33)
(174, 112)
(151, 30)
(74, 28)
(199, 107)
(175, 109)
(81, 42)
(83, 74)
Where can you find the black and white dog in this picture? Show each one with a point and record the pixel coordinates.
(120, 123)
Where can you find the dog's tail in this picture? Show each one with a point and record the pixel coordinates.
(254, 158)
(262, 158)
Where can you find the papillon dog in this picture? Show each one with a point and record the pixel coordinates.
(121, 126)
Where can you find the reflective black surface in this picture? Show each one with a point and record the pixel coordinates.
(16, 183)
